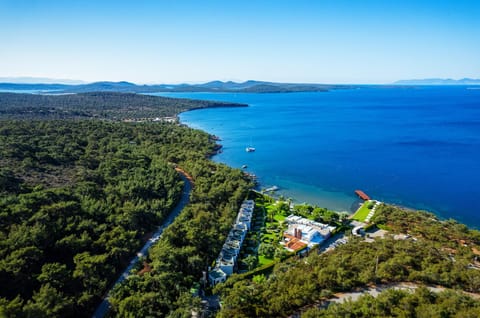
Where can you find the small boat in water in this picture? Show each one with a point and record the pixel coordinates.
(249, 149)
(244, 167)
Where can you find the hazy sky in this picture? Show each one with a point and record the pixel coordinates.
(194, 41)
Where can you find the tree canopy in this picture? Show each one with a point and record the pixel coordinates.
(100, 105)
(78, 198)
(438, 252)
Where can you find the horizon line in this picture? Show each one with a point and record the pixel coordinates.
(30, 80)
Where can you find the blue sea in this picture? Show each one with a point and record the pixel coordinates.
(417, 147)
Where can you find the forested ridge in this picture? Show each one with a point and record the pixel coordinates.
(78, 197)
(100, 105)
(439, 252)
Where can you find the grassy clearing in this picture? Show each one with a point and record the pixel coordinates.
(384, 227)
(362, 212)
(262, 260)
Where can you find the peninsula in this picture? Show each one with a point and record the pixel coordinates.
(83, 188)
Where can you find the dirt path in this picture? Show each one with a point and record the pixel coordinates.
(374, 291)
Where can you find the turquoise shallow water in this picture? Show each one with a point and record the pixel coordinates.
(418, 147)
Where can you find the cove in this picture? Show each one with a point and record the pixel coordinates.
(413, 146)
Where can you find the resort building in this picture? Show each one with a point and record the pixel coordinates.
(226, 261)
(217, 276)
(303, 232)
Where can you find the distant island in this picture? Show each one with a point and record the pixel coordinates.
(439, 81)
(51, 86)
(214, 86)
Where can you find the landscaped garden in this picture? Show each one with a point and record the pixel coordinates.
(363, 211)
(262, 245)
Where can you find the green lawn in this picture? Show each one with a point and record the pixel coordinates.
(362, 212)
(262, 222)
(269, 235)
(262, 260)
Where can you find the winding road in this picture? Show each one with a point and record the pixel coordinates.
(104, 306)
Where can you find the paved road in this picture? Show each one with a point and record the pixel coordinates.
(104, 306)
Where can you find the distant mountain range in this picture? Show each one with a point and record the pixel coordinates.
(72, 86)
(439, 81)
(214, 86)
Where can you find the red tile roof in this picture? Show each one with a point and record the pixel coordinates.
(294, 243)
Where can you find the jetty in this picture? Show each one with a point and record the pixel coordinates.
(362, 195)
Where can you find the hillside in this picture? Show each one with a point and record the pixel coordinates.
(417, 248)
(101, 105)
(79, 197)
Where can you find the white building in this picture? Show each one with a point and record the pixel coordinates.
(217, 276)
(307, 231)
(227, 258)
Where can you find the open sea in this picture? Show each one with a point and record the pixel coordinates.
(417, 147)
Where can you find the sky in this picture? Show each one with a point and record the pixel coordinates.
(181, 41)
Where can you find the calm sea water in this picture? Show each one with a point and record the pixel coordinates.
(417, 147)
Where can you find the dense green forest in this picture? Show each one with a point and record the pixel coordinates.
(397, 303)
(101, 105)
(79, 197)
(438, 252)
(187, 247)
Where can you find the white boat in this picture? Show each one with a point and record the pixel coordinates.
(249, 149)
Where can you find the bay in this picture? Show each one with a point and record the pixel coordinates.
(413, 146)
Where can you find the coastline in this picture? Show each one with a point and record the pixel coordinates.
(349, 201)
(353, 204)
(301, 162)
(232, 105)
(356, 203)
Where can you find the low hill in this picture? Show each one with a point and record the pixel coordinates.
(104, 105)
(214, 86)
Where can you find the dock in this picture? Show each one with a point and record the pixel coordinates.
(362, 195)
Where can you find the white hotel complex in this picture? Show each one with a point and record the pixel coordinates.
(303, 232)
